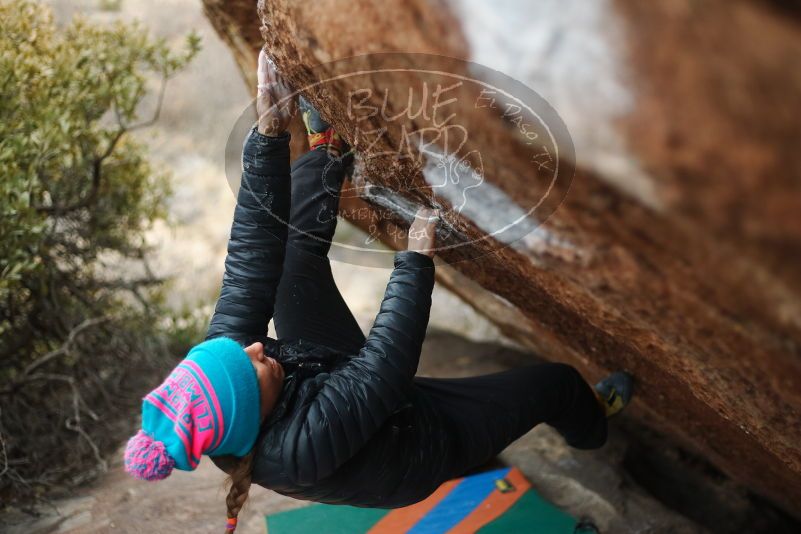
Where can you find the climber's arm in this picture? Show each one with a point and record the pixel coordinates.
(258, 238)
(259, 232)
(353, 402)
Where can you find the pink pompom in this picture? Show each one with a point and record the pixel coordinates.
(147, 459)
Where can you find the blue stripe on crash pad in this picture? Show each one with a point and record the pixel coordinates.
(462, 500)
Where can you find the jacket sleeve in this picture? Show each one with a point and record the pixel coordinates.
(354, 401)
(258, 238)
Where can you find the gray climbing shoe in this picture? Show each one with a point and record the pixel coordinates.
(614, 392)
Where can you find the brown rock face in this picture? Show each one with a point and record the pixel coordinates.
(674, 251)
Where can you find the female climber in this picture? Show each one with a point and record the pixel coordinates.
(323, 413)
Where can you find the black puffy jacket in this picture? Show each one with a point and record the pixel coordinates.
(348, 428)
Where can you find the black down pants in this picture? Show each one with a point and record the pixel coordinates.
(487, 411)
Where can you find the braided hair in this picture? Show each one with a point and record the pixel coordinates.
(239, 488)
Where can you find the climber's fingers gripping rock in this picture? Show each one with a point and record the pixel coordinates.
(275, 99)
(423, 232)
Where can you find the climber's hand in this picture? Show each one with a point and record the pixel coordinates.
(275, 101)
(423, 232)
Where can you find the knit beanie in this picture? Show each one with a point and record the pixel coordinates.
(209, 404)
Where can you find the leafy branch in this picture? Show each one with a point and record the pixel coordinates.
(83, 327)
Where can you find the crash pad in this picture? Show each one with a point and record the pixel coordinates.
(492, 502)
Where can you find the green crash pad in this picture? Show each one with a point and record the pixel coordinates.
(495, 502)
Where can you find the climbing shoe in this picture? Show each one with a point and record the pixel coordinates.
(320, 133)
(614, 392)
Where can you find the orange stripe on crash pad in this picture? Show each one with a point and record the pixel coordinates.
(494, 506)
(400, 520)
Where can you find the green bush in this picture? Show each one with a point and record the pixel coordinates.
(82, 326)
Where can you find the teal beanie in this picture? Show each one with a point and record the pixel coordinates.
(209, 404)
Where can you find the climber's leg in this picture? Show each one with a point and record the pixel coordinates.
(316, 181)
(489, 412)
(309, 304)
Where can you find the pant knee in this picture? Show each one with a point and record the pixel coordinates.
(563, 374)
(576, 413)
